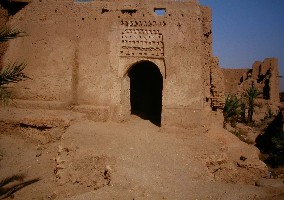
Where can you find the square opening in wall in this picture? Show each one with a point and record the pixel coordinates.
(160, 11)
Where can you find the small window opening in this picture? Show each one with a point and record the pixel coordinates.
(266, 90)
(259, 70)
(105, 10)
(128, 11)
(160, 11)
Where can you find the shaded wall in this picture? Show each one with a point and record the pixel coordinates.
(3, 20)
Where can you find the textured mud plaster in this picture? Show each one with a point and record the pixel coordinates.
(80, 55)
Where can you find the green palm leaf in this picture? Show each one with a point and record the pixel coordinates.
(251, 94)
(231, 108)
(7, 33)
(12, 73)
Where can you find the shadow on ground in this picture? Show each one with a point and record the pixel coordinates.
(271, 143)
(12, 184)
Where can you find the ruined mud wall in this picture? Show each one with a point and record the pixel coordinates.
(232, 79)
(217, 85)
(213, 76)
(207, 50)
(263, 75)
(79, 55)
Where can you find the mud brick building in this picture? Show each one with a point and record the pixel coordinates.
(111, 59)
(263, 75)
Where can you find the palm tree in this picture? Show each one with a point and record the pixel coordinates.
(231, 109)
(12, 73)
(251, 94)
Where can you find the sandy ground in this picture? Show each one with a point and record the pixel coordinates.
(63, 155)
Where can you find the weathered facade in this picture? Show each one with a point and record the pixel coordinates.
(112, 59)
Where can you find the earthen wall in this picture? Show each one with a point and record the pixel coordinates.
(232, 79)
(79, 55)
(263, 75)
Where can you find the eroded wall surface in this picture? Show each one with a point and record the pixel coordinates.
(232, 79)
(263, 75)
(79, 56)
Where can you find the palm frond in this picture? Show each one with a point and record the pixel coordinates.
(12, 184)
(12, 73)
(231, 108)
(16, 177)
(7, 33)
(251, 94)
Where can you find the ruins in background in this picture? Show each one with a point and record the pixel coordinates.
(263, 75)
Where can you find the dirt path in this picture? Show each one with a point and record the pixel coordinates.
(132, 160)
(146, 162)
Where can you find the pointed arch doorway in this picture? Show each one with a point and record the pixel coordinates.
(146, 86)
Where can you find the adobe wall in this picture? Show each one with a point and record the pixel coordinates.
(79, 55)
(264, 76)
(232, 79)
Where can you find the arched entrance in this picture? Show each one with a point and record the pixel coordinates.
(146, 85)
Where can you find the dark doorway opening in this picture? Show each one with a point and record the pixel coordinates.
(146, 85)
(266, 90)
